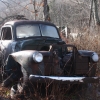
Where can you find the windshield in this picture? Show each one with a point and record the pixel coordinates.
(31, 30)
(49, 31)
(23, 31)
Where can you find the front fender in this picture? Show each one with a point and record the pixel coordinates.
(25, 60)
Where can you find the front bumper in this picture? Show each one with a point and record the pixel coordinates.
(64, 80)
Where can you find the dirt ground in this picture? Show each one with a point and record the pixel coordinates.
(4, 93)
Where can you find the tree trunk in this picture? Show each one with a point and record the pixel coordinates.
(46, 11)
(96, 16)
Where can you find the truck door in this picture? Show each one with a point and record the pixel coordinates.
(6, 40)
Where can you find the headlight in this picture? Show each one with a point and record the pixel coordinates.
(95, 57)
(37, 57)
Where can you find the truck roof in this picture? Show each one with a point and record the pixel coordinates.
(27, 22)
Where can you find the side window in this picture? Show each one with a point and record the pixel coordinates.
(6, 33)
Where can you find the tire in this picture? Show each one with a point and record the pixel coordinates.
(17, 90)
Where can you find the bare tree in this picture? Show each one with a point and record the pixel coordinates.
(31, 9)
(46, 11)
(96, 12)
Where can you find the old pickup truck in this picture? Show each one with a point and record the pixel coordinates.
(34, 51)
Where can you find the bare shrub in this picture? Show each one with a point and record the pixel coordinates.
(88, 42)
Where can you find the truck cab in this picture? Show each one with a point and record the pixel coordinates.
(27, 35)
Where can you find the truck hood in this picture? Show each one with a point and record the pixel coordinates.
(35, 43)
